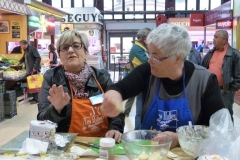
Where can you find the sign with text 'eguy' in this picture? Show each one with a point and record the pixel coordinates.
(224, 24)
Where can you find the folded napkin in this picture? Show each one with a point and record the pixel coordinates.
(33, 146)
(83, 152)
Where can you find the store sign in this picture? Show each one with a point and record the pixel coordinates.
(196, 19)
(82, 17)
(88, 14)
(38, 35)
(180, 21)
(222, 12)
(224, 24)
(50, 25)
(34, 22)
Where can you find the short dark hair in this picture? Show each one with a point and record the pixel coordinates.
(51, 47)
(66, 28)
(23, 42)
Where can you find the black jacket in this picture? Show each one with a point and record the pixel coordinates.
(57, 76)
(17, 49)
(230, 68)
(33, 58)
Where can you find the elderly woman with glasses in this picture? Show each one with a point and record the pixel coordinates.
(174, 90)
(72, 93)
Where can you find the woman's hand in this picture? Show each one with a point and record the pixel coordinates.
(114, 134)
(112, 103)
(58, 98)
(174, 136)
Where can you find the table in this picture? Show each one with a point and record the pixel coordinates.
(12, 82)
(177, 150)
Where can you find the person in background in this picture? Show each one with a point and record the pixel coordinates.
(70, 93)
(31, 58)
(200, 47)
(175, 91)
(138, 55)
(224, 62)
(53, 62)
(195, 56)
(17, 50)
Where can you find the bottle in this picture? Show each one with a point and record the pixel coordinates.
(106, 150)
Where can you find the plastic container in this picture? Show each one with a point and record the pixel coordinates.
(106, 150)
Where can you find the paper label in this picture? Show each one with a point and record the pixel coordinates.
(96, 99)
(103, 154)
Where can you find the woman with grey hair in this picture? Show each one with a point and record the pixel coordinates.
(174, 91)
(71, 94)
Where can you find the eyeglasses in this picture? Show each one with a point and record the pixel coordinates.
(155, 60)
(75, 46)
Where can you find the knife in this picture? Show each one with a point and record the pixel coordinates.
(89, 144)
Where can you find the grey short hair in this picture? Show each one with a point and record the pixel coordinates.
(171, 39)
(143, 33)
(68, 36)
(223, 33)
(23, 42)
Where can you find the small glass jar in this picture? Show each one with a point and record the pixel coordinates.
(106, 150)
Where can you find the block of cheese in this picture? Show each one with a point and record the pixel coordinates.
(43, 131)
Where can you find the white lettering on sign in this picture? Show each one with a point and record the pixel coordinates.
(197, 20)
(224, 24)
(181, 23)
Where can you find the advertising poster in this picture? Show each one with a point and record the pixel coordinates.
(4, 27)
(15, 29)
(66, 26)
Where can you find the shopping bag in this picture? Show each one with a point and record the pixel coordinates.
(34, 83)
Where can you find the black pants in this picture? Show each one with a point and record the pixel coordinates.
(35, 96)
(228, 99)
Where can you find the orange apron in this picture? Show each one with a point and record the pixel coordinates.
(87, 120)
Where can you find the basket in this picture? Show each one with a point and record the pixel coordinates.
(19, 67)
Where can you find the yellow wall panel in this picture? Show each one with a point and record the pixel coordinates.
(7, 37)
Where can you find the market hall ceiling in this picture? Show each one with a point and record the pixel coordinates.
(7, 6)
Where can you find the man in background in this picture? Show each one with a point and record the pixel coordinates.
(195, 56)
(224, 62)
(32, 60)
(17, 49)
(138, 55)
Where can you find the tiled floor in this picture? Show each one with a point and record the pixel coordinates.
(10, 128)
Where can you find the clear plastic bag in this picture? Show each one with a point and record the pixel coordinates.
(234, 153)
(222, 135)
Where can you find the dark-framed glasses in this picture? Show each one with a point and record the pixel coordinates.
(158, 60)
(75, 46)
